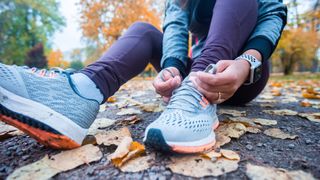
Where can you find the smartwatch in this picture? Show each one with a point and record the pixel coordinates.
(255, 68)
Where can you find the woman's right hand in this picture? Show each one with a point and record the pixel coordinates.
(166, 81)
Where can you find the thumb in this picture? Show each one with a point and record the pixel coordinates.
(222, 65)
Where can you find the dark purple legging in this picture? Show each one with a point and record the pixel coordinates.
(142, 43)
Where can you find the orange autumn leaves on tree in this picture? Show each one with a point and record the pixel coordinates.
(55, 59)
(103, 21)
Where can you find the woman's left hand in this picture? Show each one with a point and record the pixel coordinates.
(231, 74)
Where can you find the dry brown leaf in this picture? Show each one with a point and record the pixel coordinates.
(198, 167)
(282, 112)
(111, 99)
(112, 137)
(265, 122)
(267, 105)
(305, 104)
(253, 130)
(122, 149)
(232, 130)
(230, 154)
(310, 95)
(270, 173)
(64, 161)
(277, 133)
(138, 164)
(212, 155)
(243, 120)
(126, 151)
(7, 131)
(130, 120)
(315, 117)
(128, 111)
(151, 107)
(233, 113)
(221, 140)
(100, 123)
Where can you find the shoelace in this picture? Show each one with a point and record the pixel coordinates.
(187, 98)
(52, 72)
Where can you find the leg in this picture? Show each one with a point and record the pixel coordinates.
(231, 25)
(126, 58)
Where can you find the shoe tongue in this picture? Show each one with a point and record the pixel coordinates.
(186, 97)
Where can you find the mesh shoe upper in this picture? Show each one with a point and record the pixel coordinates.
(54, 92)
(185, 119)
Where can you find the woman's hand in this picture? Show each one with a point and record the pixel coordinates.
(231, 74)
(166, 81)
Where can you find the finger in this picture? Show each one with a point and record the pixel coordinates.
(214, 79)
(163, 86)
(165, 75)
(176, 81)
(166, 99)
(222, 65)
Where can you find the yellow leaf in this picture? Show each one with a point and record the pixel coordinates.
(230, 154)
(277, 133)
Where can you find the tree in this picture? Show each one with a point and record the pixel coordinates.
(24, 24)
(36, 57)
(77, 65)
(299, 41)
(103, 21)
(55, 59)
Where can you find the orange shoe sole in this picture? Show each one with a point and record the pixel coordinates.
(48, 139)
(195, 149)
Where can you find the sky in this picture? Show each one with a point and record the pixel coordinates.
(70, 36)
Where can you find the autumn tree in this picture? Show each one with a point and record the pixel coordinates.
(24, 24)
(55, 59)
(36, 58)
(103, 21)
(299, 41)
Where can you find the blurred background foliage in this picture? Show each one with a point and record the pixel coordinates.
(27, 28)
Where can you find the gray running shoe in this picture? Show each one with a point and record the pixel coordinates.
(45, 105)
(187, 124)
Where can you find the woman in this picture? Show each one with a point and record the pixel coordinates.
(237, 36)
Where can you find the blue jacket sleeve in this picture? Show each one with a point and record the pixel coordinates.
(175, 37)
(272, 18)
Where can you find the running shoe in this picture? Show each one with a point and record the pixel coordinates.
(187, 124)
(45, 105)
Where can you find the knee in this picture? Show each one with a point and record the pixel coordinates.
(143, 27)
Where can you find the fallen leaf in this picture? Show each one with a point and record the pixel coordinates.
(270, 173)
(276, 92)
(64, 161)
(232, 130)
(112, 137)
(243, 120)
(130, 120)
(230, 154)
(100, 123)
(126, 151)
(310, 95)
(138, 164)
(265, 122)
(305, 104)
(315, 117)
(151, 107)
(198, 167)
(111, 99)
(102, 108)
(128, 111)
(267, 105)
(233, 113)
(7, 131)
(221, 140)
(122, 149)
(277, 133)
(253, 130)
(282, 112)
(212, 155)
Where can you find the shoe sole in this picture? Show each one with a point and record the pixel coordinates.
(156, 140)
(40, 122)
